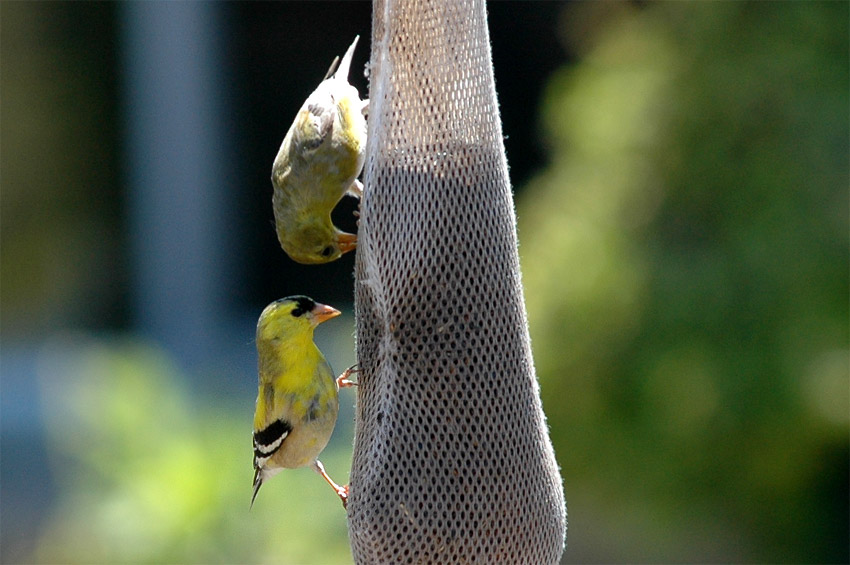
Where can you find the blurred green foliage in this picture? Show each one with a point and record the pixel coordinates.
(150, 472)
(685, 260)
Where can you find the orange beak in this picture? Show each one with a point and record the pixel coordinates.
(346, 242)
(322, 312)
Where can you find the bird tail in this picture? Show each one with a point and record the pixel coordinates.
(332, 68)
(258, 482)
(345, 65)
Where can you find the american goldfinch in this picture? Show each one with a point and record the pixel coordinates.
(318, 162)
(297, 402)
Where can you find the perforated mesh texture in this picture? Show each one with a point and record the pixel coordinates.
(452, 459)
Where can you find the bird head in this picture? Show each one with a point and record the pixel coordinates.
(291, 316)
(317, 243)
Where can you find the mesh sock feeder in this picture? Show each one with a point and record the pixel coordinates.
(452, 458)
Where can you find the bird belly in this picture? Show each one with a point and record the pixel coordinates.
(304, 444)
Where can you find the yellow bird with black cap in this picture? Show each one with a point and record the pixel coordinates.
(297, 400)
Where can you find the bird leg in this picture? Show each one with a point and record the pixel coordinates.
(342, 381)
(356, 190)
(342, 492)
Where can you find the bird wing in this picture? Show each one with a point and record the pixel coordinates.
(268, 440)
(315, 122)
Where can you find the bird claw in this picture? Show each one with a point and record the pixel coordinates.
(356, 189)
(342, 381)
(342, 492)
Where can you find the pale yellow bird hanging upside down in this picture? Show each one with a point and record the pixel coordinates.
(318, 162)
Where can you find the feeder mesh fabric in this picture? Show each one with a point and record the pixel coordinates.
(452, 459)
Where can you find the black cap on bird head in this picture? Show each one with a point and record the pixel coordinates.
(303, 303)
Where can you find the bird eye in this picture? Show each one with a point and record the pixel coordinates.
(326, 252)
(297, 312)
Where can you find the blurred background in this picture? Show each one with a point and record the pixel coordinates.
(681, 182)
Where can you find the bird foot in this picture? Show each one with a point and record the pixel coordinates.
(356, 189)
(342, 492)
(343, 381)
